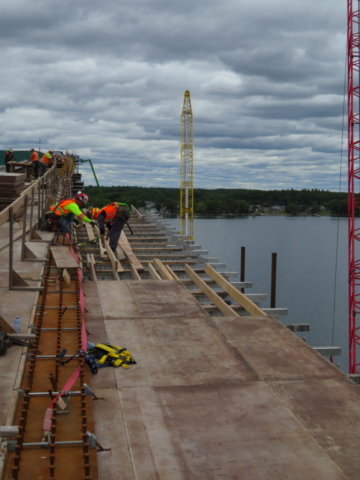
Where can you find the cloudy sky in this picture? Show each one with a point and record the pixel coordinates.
(107, 80)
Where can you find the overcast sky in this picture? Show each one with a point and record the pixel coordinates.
(107, 80)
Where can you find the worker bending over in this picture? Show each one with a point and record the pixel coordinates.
(68, 209)
(114, 216)
(46, 161)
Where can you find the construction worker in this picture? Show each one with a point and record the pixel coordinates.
(46, 161)
(9, 157)
(68, 209)
(34, 158)
(114, 216)
(92, 212)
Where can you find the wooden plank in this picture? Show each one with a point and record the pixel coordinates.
(90, 262)
(247, 304)
(102, 249)
(66, 277)
(120, 253)
(172, 273)
(113, 260)
(137, 213)
(160, 267)
(219, 302)
(90, 232)
(120, 268)
(135, 273)
(63, 257)
(153, 272)
(125, 245)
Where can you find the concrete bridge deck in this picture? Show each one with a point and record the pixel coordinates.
(210, 398)
(220, 397)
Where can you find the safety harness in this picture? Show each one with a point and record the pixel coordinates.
(103, 355)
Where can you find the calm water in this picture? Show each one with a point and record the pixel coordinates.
(306, 250)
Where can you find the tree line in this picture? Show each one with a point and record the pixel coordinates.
(224, 201)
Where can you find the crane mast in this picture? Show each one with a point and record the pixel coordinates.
(187, 169)
(353, 60)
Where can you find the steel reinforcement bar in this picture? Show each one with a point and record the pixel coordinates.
(54, 414)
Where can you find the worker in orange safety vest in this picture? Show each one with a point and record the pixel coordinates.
(34, 158)
(68, 209)
(114, 216)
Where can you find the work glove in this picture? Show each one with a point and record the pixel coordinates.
(93, 223)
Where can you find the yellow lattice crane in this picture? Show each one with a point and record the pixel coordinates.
(187, 169)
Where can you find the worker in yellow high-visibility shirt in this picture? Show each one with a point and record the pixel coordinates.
(46, 161)
(68, 209)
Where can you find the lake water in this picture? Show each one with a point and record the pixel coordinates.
(311, 268)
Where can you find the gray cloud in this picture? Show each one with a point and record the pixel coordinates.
(107, 81)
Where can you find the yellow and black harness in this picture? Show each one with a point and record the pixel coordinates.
(103, 355)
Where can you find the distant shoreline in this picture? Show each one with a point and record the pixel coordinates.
(231, 215)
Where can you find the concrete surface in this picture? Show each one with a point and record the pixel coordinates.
(214, 398)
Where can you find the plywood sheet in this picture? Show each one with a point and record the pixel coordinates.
(176, 351)
(63, 257)
(110, 432)
(219, 431)
(147, 299)
(272, 350)
(329, 409)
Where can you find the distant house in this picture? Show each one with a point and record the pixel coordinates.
(262, 209)
(149, 204)
(278, 208)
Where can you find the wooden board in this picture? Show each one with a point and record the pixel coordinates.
(66, 277)
(234, 292)
(120, 253)
(63, 257)
(114, 261)
(90, 232)
(125, 246)
(213, 296)
(137, 213)
(161, 268)
(91, 265)
(153, 272)
(172, 273)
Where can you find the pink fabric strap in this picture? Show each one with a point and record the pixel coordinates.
(75, 375)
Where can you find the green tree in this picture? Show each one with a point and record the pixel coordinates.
(338, 207)
(241, 207)
(314, 209)
(200, 207)
(171, 205)
(292, 209)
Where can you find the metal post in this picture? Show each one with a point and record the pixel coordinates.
(242, 268)
(31, 211)
(39, 214)
(273, 280)
(24, 228)
(46, 191)
(11, 244)
(42, 195)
